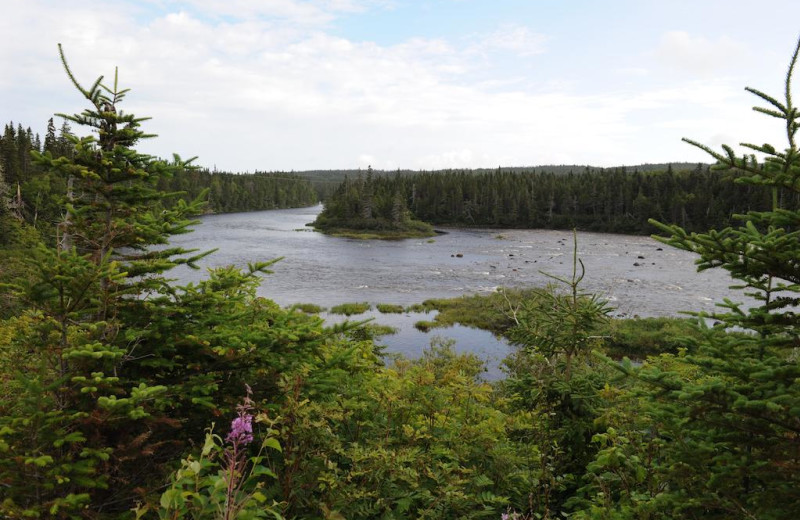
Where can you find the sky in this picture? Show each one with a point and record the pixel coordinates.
(272, 85)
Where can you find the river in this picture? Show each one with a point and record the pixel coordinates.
(638, 275)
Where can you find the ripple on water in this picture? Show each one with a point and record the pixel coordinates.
(328, 271)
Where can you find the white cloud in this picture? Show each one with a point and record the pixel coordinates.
(251, 92)
(511, 38)
(698, 55)
(634, 71)
(306, 13)
(299, 12)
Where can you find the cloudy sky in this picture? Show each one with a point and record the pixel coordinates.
(318, 84)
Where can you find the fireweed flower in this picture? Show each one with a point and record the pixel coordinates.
(241, 430)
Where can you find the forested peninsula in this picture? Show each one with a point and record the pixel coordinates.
(124, 394)
(610, 200)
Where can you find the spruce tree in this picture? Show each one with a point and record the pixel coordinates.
(718, 428)
(81, 402)
(5, 230)
(117, 370)
(50, 137)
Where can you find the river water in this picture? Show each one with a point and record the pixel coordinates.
(639, 276)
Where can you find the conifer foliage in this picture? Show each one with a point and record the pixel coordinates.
(115, 369)
(376, 204)
(77, 405)
(747, 400)
(615, 200)
(715, 433)
(35, 191)
(3, 208)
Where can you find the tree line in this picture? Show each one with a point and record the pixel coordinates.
(35, 195)
(615, 200)
(326, 182)
(234, 192)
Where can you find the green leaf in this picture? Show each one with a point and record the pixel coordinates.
(271, 442)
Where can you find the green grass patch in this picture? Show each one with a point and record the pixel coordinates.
(376, 329)
(424, 325)
(348, 309)
(641, 337)
(634, 338)
(371, 332)
(490, 312)
(308, 308)
(389, 308)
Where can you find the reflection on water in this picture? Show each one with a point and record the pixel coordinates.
(409, 342)
(638, 275)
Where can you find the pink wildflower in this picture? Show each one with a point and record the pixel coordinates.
(241, 430)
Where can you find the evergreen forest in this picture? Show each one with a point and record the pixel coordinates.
(124, 394)
(612, 200)
(37, 194)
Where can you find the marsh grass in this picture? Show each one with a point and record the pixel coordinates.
(490, 312)
(634, 338)
(638, 338)
(308, 308)
(349, 309)
(425, 325)
(389, 308)
(377, 330)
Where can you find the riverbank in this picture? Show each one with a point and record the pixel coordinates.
(327, 271)
(635, 338)
(387, 234)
